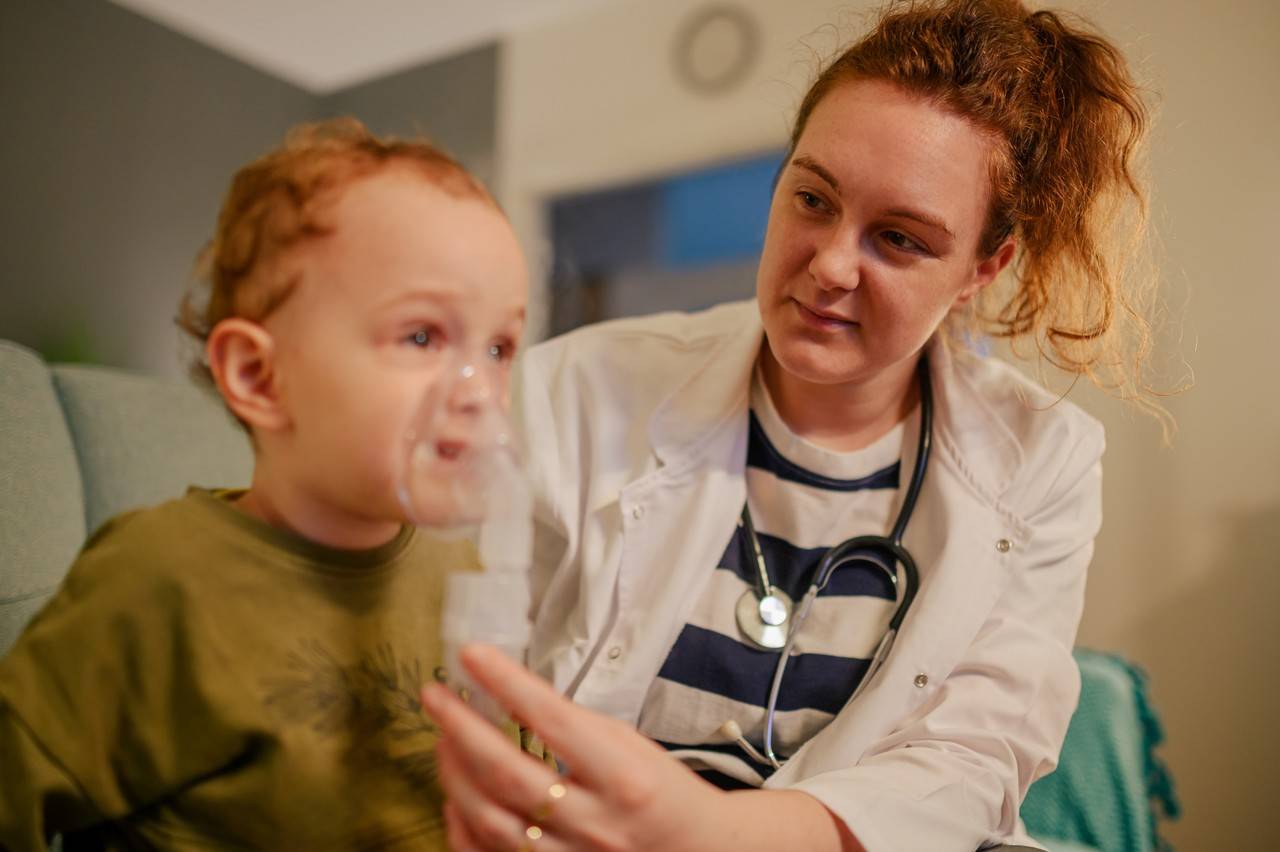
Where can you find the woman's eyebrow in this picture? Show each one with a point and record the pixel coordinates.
(808, 163)
(923, 218)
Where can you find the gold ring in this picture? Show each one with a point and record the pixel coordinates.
(532, 834)
(555, 793)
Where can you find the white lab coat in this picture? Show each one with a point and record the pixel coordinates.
(637, 435)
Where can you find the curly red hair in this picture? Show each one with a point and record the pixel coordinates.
(1069, 123)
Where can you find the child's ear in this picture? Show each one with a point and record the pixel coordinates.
(987, 270)
(241, 356)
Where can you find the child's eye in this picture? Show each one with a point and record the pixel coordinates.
(423, 338)
(502, 351)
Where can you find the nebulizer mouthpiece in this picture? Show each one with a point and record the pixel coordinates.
(463, 477)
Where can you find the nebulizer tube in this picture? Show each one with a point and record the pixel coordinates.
(463, 476)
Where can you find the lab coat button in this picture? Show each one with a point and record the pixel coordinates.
(1003, 545)
(615, 652)
(637, 512)
(922, 680)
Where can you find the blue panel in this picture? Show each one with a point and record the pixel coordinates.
(716, 215)
(601, 232)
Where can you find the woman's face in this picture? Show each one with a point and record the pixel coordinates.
(873, 234)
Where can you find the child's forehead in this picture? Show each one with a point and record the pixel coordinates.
(401, 214)
(397, 240)
(448, 185)
(393, 189)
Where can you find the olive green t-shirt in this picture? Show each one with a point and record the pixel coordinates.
(204, 680)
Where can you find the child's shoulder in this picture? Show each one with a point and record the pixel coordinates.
(126, 590)
(145, 529)
(142, 549)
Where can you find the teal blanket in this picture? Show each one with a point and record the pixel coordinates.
(1109, 784)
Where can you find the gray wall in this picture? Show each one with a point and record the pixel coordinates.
(452, 102)
(120, 137)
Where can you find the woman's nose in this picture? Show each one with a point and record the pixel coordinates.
(835, 263)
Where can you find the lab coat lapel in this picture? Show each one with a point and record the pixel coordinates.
(699, 435)
(715, 390)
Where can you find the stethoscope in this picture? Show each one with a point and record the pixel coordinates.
(770, 620)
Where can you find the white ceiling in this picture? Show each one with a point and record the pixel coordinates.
(325, 45)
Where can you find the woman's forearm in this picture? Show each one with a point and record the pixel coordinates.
(769, 820)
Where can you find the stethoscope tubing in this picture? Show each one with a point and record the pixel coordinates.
(853, 550)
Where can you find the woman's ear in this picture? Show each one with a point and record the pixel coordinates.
(241, 356)
(987, 270)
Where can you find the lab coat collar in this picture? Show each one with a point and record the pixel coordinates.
(717, 387)
(966, 426)
(973, 433)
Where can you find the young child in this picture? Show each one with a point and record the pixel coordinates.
(241, 668)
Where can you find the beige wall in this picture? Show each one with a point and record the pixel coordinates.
(1187, 578)
(1187, 575)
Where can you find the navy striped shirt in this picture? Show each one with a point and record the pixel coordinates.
(804, 499)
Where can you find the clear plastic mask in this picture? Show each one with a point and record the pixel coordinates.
(463, 476)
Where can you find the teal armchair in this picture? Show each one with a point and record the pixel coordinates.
(1110, 788)
(80, 444)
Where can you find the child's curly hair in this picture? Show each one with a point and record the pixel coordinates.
(275, 203)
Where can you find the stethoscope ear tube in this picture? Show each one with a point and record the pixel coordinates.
(924, 447)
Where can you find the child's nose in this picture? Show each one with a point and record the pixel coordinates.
(474, 389)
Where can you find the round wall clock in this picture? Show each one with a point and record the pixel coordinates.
(715, 48)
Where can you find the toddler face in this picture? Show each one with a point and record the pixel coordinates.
(411, 286)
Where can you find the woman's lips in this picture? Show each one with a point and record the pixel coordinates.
(821, 319)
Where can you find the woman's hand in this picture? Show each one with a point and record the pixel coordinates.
(622, 793)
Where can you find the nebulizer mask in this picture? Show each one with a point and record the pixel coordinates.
(462, 476)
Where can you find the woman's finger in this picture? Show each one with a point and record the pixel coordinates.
(456, 833)
(589, 743)
(472, 747)
(477, 821)
(513, 779)
(485, 823)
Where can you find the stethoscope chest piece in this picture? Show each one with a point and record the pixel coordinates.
(765, 620)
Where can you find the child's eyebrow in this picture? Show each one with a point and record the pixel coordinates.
(412, 296)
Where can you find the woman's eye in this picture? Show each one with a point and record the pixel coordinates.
(899, 240)
(810, 200)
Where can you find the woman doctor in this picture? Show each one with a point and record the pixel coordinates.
(959, 138)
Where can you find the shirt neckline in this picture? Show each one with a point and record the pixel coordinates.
(851, 465)
(218, 504)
